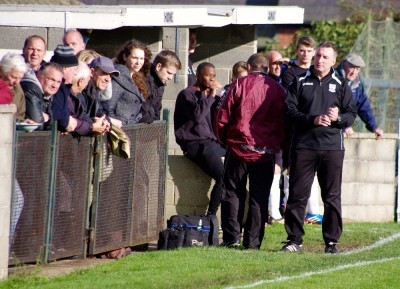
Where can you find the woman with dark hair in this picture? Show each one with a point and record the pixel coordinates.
(130, 89)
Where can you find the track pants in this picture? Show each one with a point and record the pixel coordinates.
(304, 164)
(260, 177)
(208, 155)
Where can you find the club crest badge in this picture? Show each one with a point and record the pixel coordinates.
(332, 87)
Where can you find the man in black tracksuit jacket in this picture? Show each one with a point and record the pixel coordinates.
(320, 105)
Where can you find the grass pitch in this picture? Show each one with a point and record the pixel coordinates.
(371, 259)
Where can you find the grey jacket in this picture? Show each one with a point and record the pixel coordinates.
(126, 100)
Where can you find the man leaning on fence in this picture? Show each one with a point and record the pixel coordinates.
(250, 123)
(39, 94)
(350, 69)
(85, 125)
(102, 69)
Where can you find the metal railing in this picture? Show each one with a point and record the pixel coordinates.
(78, 199)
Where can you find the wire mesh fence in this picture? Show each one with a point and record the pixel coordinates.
(32, 169)
(379, 46)
(129, 205)
(59, 203)
(70, 202)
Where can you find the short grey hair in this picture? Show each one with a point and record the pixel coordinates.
(12, 61)
(83, 71)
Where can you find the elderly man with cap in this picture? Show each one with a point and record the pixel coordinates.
(65, 57)
(350, 69)
(102, 69)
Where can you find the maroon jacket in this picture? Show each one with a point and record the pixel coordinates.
(249, 120)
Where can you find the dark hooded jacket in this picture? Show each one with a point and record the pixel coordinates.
(156, 89)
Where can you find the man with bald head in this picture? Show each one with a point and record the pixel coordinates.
(274, 71)
(74, 39)
(275, 65)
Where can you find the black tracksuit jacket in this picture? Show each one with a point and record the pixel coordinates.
(309, 97)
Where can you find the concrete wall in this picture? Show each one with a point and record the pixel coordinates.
(368, 189)
(369, 178)
(7, 119)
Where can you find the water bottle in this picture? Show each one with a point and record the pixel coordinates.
(199, 225)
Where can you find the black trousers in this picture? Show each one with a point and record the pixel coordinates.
(232, 202)
(303, 165)
(208, 155)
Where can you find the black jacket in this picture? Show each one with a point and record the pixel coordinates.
(156, 91)
(91, 103)
(291, 73)
(309, 97)
(36, 103)
(59, 107)
(192, 117)
(76, 109)
(34, 97)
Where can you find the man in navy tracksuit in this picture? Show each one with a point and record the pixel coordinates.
(320, 105)
(350, 69)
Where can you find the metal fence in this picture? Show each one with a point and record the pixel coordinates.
(78, 199)
(129, 205)
(379, 46)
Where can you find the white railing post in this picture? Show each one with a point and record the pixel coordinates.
(398, 180)
(7, 130)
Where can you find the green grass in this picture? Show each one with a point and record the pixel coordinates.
(213, 267)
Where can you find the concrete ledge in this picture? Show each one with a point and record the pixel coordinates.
(368, 189)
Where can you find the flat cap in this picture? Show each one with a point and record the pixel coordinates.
(355, 59)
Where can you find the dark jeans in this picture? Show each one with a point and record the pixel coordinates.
(208, 155)
(260, 180)
(303, 165)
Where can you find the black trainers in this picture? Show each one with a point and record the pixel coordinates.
(331, 248)
(291, 247)
(232, 245)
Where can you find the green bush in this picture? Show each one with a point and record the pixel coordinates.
(344, 34)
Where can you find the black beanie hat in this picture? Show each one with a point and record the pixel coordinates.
(65, 56)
